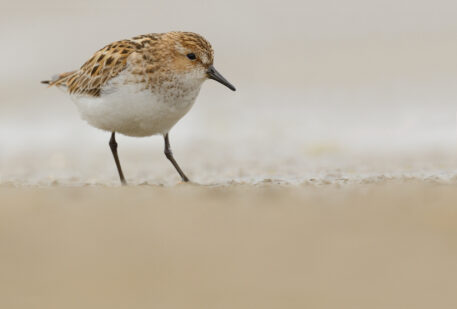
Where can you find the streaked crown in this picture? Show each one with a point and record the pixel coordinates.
(188, 43)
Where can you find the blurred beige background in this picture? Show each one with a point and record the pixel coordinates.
(324, 88)
(326, 181)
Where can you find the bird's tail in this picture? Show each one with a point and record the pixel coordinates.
(59, 80)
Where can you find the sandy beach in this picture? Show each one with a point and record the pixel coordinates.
(239, 246)
(327, 180)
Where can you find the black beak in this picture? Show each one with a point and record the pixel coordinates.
(214, 74)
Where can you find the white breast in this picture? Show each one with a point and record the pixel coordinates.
(134, 109)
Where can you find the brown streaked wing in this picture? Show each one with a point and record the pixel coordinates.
(104, 65)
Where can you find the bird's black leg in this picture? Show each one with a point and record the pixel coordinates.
(113, 146)
(169, 156)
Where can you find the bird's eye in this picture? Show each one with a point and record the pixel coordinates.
(191, 56)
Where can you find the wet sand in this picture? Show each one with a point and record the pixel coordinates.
(240, 246)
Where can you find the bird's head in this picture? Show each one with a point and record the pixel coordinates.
(193, 55)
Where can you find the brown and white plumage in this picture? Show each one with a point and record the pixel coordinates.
(149, 55)
(141, 86)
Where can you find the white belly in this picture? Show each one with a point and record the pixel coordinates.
(135, 112)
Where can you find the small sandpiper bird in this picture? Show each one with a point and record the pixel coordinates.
(141, 86)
